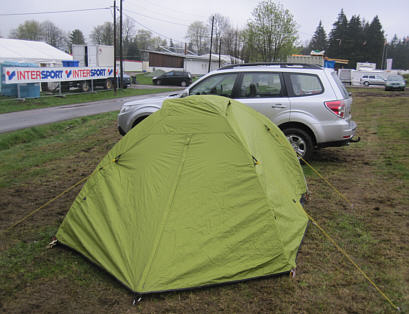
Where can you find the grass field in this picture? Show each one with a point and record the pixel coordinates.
(37, 164)
(8, 104)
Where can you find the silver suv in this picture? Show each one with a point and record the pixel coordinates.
(372, 80)
(309, 103)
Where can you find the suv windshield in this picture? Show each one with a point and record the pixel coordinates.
(395, 78)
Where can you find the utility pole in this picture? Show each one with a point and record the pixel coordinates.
(220, 49)
(115, 81)
(383, 55)
(211, 42)
(121, 67)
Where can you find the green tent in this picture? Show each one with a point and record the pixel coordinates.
(204, 191)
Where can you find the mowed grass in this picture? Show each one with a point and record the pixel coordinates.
(143, 79)
(41, 162)
(8, 104)
(25, 153)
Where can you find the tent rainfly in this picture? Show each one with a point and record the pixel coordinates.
(204, 191)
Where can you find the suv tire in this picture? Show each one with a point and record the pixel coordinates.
(183, 84)
(366, 83)
(301, 142)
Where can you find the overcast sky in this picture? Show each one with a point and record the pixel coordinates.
(170, 18)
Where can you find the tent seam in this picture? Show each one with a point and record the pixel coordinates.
(166, 214)
(261, 186)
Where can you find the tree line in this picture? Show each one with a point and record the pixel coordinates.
(270, 35)
(358, 40)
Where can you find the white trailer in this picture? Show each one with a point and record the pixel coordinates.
(92, 56)
(345, 75)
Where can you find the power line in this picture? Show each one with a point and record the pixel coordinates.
(155, 12)
(54, 12)
(154, 18)
(177, 11)
(149, 29)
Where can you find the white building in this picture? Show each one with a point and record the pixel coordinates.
(196, 65)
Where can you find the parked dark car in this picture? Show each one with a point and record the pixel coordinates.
(173, 78)
(395, 82)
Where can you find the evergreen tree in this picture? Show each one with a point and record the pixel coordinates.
(398, 50)
(133, 53)
(354, 41)
(337, 37)
(375, 42)
(319, 39)
(77, 37)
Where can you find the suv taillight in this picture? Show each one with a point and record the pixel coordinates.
(337, 107)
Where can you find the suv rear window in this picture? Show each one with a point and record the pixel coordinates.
(305, 84)
(260, 85)
(340, 85)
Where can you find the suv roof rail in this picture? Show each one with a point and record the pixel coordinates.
(281, 64)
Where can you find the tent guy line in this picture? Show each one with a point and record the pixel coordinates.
(99, 194)
(138, 298)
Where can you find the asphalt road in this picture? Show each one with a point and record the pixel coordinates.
(24, 119)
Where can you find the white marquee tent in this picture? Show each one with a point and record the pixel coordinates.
(37, 52)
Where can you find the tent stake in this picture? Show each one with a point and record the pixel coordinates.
(136, 299)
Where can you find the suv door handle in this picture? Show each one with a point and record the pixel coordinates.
(278, 106)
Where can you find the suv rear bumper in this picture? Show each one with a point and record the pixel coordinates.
(339, 143)
(348, 132)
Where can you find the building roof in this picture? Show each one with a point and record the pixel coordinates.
(215, 57)
(30, 51)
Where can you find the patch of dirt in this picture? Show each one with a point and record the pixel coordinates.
(18, 201)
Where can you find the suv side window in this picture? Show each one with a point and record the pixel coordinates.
(260, 85)
(305, 84)
(221, 85)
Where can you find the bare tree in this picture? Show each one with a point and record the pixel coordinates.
(103, 34)
(128, 29)
(45, 31)
(220, 27)
(52, 35)
(232, 42)
(198, 36)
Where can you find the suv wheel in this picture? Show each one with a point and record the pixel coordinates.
(183, 84)
(301, 142)
(158, 82)
(366, 83)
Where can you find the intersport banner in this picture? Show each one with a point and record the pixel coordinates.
(15, 75)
